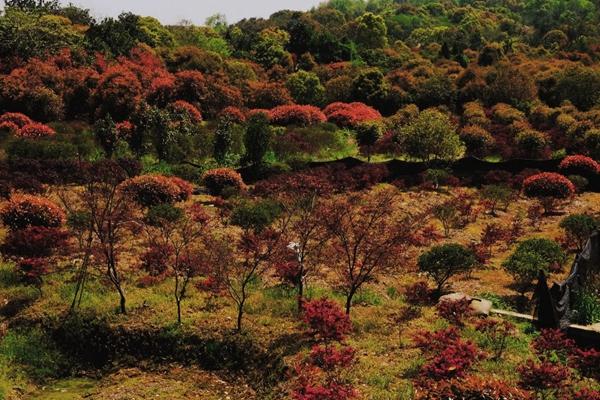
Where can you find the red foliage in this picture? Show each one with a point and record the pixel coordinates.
(267, 95)
(454, 311)
(469, 388)
(217, 180)
(579, 165)
(184, 188)
(233, 114)
(151, 190)
(497, 333)
(155, 260)
(329, 391)
(118, 93)
(543, 376)
(289, 272)
(435, 342)
(124, 130)
(587, 361)
(326, 320)
(453, 362)
(184, 108)
(350, 114)
(9, 127)
(161, 91)
(20, 120)
(418, 293)
(210, 285)
(426, 235)
(585, 394)
(31, 270)
(548, 184)
(35, 131)
(329, 358)
(553, 341)
(23, 210)
(35, 241)
(296, 115)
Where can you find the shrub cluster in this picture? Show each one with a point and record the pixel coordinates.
(350, 114)
(23, 210)
(217, 181)
(294, 114)
(579, 165)
(151, 190)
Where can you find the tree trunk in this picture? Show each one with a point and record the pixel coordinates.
(178, 301)
(349, 300)
(122, 307)
(239, 317)
(300, 296)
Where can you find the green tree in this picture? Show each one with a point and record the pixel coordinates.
(367, 134)
(269, 49)
(530, 257)
(306, 88)
(369, 31)
(445, 261)
(257, 139)
(578, 228)
(24, 35)
(430, 136)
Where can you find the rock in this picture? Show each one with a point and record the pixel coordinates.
(478, 306)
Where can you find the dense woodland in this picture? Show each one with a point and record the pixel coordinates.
(210, 212)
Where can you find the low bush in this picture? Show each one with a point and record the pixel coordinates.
(35, 131)
(579, 165)
(219, 180)
(23, 211)
(326, 320)
(418, 293)
(151, 190)
(454, 311)
(35, 241)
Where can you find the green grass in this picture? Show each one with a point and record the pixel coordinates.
(34, 352)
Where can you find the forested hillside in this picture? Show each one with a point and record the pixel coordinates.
(277, 208)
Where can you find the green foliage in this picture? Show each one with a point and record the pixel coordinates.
(530, 257)
(370, 31)
(305, 88)
(580, 85)
(444, 261)
(257, 139)
(35, 352)
(255, 215)
(162, 214)
(25, 35)
(430, 136)
(579, 227)
(587, 306)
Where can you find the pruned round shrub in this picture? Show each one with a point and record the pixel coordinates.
(477, 140)
(23, 210)
(532, 144)
(150, 190)
(183, 108)
(444, 261)
(296, 115)
(220, 179)
(35, 131)
(505, 115)
(350, 114)
(579, 165)
(548, 187)
(20, 120)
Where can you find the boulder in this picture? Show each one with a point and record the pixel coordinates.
(478, 306)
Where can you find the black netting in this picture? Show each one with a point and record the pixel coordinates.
(553, 305)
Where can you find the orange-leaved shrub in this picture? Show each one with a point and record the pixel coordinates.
(23, 210)
(219, 179)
